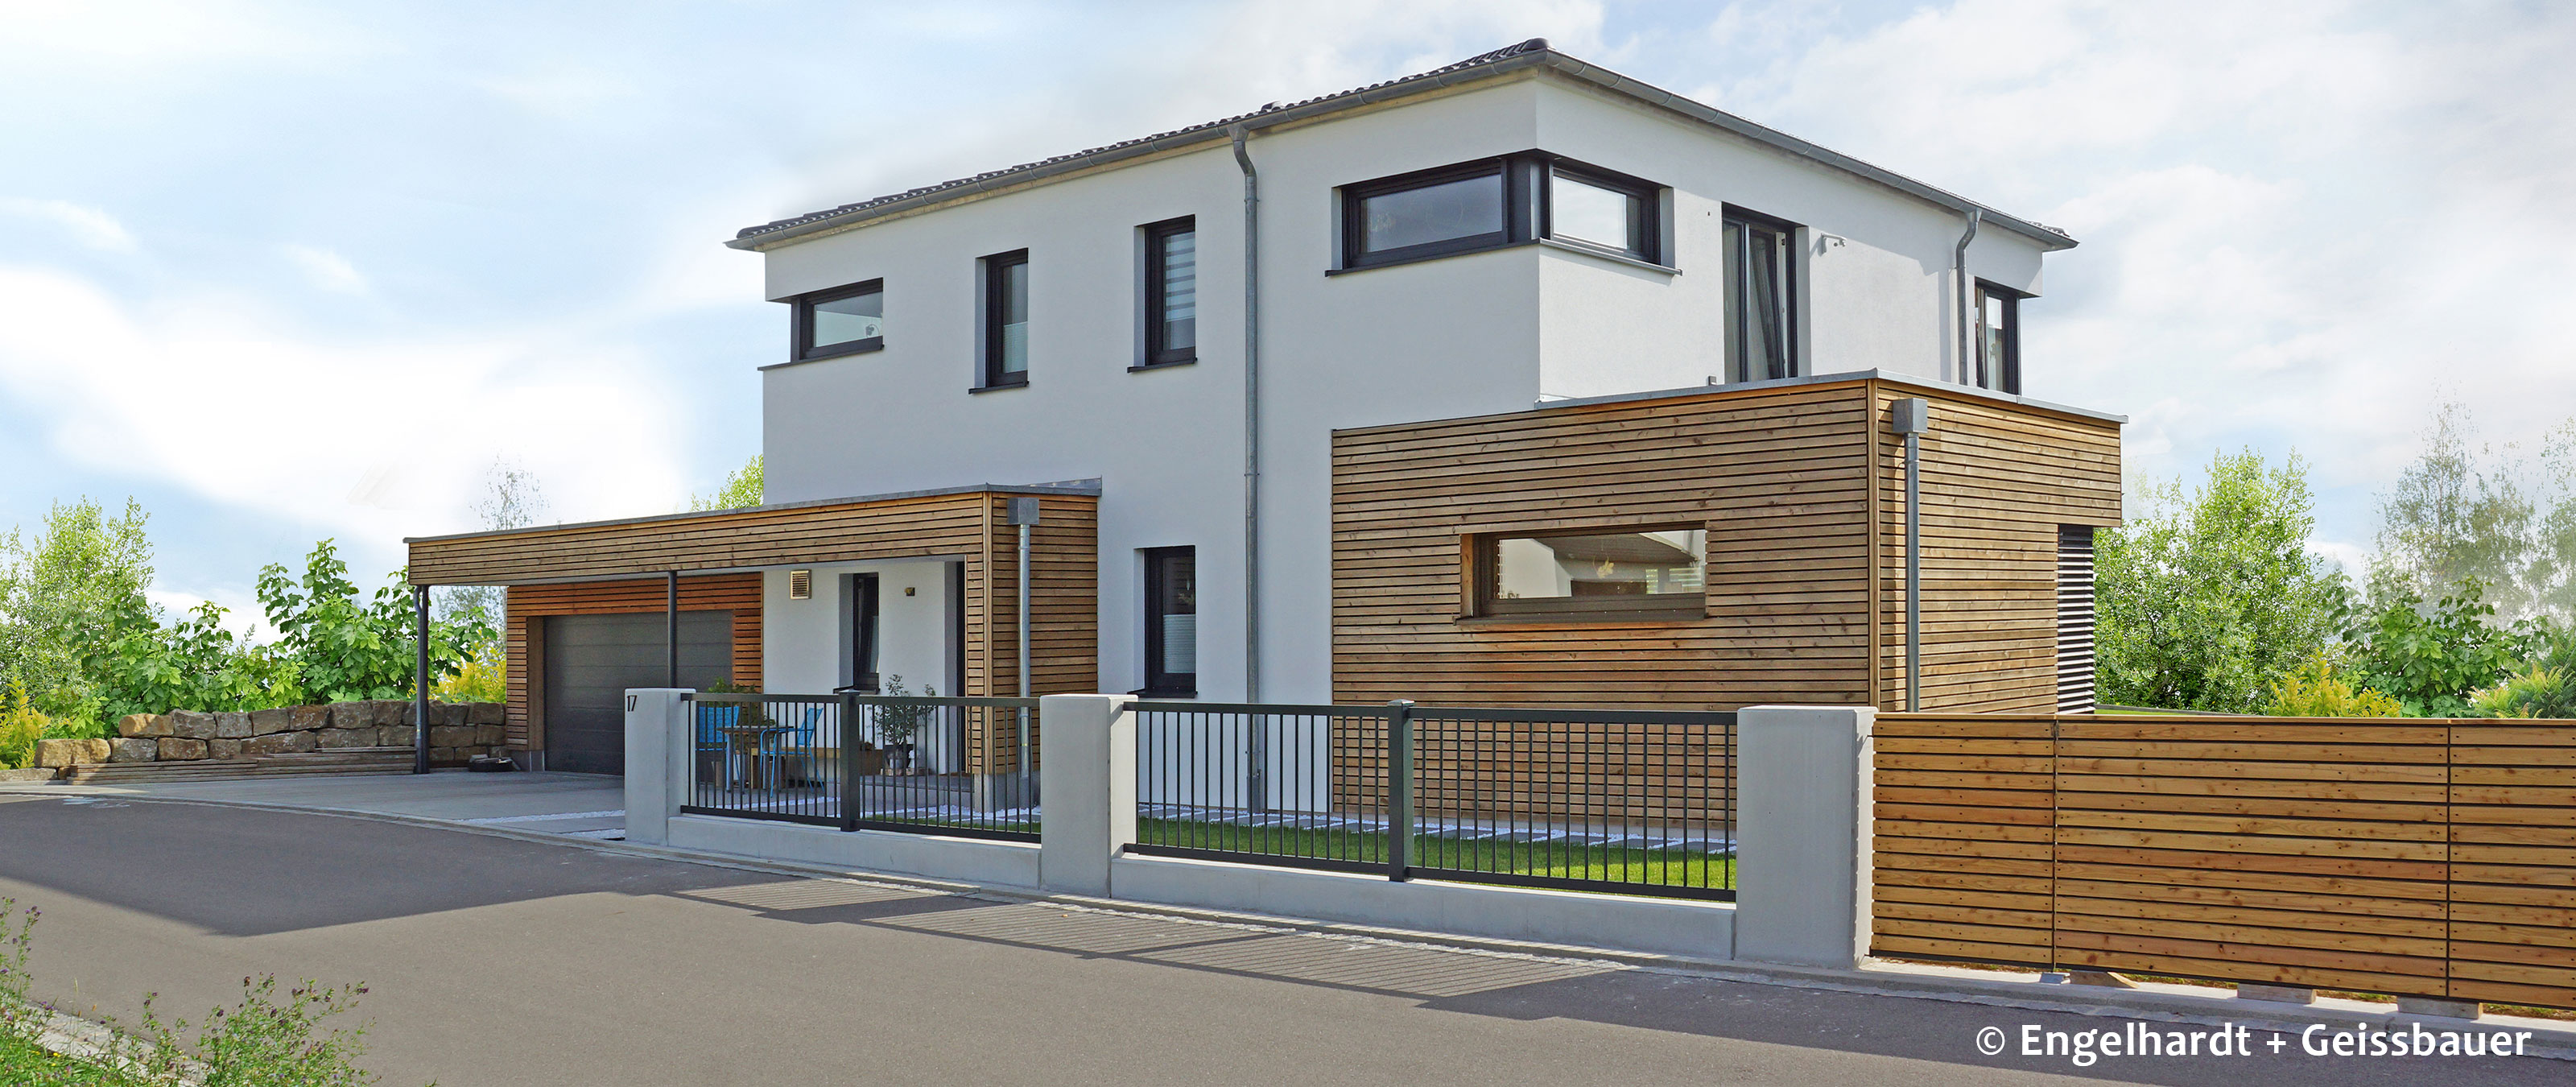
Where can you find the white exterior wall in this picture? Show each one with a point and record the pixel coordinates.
(806, 643)
(1474, 334)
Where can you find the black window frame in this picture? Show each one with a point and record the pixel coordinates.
(1999, 375)
(1483, 602)
(1156, 353)
(1159, 683)
(1525, 177)
(1739, 361)
(866, 627)
(801, 346)
(996, 272)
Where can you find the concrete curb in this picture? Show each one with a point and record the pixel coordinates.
(2552, 1039)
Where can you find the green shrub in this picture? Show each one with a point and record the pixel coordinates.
(20, 727)
(2431, 660)
(2543, 686)
(2318, 689)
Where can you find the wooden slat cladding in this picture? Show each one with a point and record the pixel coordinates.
(1787, 482)
(2423, 858)
(939, 524)
(528, 605)
(1999, 483)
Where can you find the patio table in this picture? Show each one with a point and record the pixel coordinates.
(751, 760)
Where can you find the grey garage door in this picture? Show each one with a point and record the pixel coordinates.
(592, 659)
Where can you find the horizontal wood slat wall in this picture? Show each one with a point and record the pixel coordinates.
(2414, 858)
(1803, 601)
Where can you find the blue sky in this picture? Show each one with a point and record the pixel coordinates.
(286, 271)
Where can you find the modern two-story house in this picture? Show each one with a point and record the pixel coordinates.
(1514, 382)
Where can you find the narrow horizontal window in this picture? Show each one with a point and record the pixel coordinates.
(842, 321)
(1508, 200)
(1647, 573)
(1617, 214)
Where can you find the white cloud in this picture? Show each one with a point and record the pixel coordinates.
(93, 227)
(325, 269)
(371, 440)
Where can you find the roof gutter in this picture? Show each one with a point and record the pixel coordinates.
(1220, 132)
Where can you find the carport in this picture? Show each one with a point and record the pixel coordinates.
(691, 600)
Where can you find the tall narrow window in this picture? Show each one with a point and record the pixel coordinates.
(841, 321)
(1172, 621)
(862, 604)
(1172, 292)
(1006, 319)
(1761, 306)
(1998, 338)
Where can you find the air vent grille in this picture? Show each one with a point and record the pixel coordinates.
(800, 585)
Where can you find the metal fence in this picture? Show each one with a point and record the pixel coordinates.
(1641, 802)
(964, 766)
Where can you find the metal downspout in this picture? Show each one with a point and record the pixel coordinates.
(1251, 417)
(1967, 303)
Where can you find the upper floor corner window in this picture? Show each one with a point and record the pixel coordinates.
(1761, 297)
(1449, 210)
(1598, 209)
(1623, 573)
(1998, 338)
(1488, 204)
(1172, 292)
(841, 321)
(1006, 319)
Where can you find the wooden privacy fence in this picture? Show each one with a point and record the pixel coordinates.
(2413, 858)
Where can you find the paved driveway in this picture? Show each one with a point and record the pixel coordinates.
(504, 961)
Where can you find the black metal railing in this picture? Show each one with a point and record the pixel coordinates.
(964, 766)
(1641, 802)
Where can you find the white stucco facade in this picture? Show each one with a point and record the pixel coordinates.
(1479, 333)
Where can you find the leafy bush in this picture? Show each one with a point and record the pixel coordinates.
(2430, 660)
(192, 664)
(2544, 685)
(20, 727)
(482, 678)
(2319, 689)
(65, 596)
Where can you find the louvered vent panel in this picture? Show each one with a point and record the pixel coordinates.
(2074, 619)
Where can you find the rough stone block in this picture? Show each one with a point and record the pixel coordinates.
(451, 735)
(445, 756)
(174, 749)
(134, 749)
(223, 749)
(192, 725)
(349, 715)
(485, 713)
(490, 735)
(307, 718)
(236, 726)
(451, 714)
(143, 724)
(393, 712)
(345, 737)
(396, 736)
(270, 722)
(279, 743)
(51, 754)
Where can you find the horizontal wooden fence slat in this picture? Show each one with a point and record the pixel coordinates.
(2417, 858)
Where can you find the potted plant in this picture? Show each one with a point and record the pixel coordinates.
(898, 722)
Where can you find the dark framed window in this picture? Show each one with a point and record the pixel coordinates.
(1172, 292)
(1006, 319)
(1761, 297)
(1491, 203)
(1171, 622)
(1998, 338)
(840, 321)
(1653, 573)
(862, 605)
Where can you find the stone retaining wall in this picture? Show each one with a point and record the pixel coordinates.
(457, 732)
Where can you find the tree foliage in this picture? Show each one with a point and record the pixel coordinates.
(2204, 600)
(742, 488)
(2466, 512)
(2319, 689)
(68, 595)
(2432, 659)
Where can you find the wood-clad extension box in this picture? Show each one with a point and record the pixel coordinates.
(1795, 491)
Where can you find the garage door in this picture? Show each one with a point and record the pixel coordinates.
(592, 659)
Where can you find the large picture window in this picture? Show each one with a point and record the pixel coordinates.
(1171, 622)
(1761, 297)
(1006, 319)
(1172, 292)
(842, 321)
(1998, 338)
(1488, 204)
(1614, 574)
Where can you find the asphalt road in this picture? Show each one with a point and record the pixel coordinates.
(498, 961)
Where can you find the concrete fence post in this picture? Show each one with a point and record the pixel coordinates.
(657, 761)
(1802, 868)
(1087, 782)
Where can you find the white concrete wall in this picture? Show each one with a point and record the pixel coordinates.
(807, 643)
(1474, 334)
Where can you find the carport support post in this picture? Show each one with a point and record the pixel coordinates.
(1802, 837)
(1089, 780)
(420, 679)
(671, 629)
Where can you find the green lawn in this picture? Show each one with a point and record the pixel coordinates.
(22, 1061)
(1651, 867)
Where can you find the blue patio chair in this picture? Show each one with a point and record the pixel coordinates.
(798, 742)
(712, 720)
